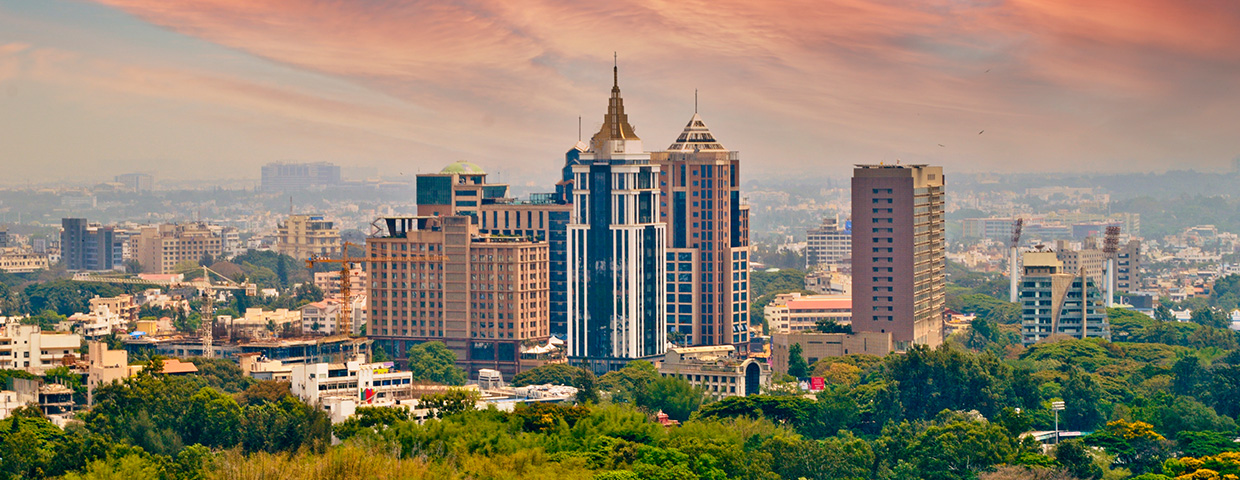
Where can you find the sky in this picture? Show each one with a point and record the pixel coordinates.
(213, 89)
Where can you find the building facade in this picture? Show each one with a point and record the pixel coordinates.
(160, 248)
(1055, 301)
(26, 347)
(283, 177)
(301, 236)
(707, 242)
(899, 247)
(482, 296)
(816, 346)
(13, 260)
(828, 245)
(87, 247)
(718, 370)
(793, 312)
(1127, 274)
(616, 245)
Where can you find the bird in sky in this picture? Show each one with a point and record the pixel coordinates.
(979, 133)
(940, 145)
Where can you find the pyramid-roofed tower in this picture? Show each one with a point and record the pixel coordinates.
(696, 138)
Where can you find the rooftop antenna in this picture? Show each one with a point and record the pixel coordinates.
(695, 108)
(578, 128)
(615, 69)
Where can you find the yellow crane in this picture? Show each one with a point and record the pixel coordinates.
(205, 285)
(344, 318)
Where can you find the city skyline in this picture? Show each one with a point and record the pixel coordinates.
(208, 89)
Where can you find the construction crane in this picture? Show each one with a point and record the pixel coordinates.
(204, 285)
(344, 317)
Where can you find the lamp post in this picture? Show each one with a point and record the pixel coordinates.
(1057, 406)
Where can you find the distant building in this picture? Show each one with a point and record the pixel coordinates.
(320, 318)
(816, 346)
(137, 182)
(829, 282)
(1090, 259)
(329, 282)
(283, 177)
(458, 189)
(617, 247)
(87, 247)
(301, 236)
(793, 312)
(998, 228)
(365, 382)
(828, 245)
(262, 324)
(483, 298)
(4, 238)
(26, 347)
(1127, 275)
(104, 367)
(1055, 301)
(899, 248)
(717, 370)
(161, 248)
(13, 260)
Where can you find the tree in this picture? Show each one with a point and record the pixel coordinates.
(206, 260)
(672, 395)
(551, 373)
(133, 267)
(830, 325)
(453, 401)
(796, 363)
(624, 385)
(309, 293)
(1082, 399)
(586, 385)
(1208, 317)
(1076, 459)
(433, 362)
(1163, 314)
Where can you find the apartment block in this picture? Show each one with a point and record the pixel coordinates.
(84, 246)
(160, 248)
(828, 245)
(794, 312)
(26, 347)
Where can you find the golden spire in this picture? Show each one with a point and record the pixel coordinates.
(615, 123)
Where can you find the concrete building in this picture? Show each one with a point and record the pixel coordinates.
(1055, 301)
(136, 182)
(458, 189)
(829, 282)
(828, 245)
(707, 226)
(122, 305)
(617, 250)
(301, 236)
(289, 351)
(329, 282)
(716, 369)
(14, 260)
(816, 346)
(99, 322)
(320, 318)
(367, 382)
(25, 347)
(1127, 275)
(161, 248)
(793, 312)
(997, 228)
(899, 262)
(259, 324)
(87, 247)
(284, 177)
(1088, 259)
(105, 366)
(483, 297)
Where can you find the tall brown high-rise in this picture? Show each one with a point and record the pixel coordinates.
(707, 239)
(898, 256)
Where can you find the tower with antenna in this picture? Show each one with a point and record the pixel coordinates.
(1013, 272)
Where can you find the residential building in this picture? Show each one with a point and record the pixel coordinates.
(482, 296)
(14, 260)
(1127, 274)
(829, 282)
(997, 228)
(303, 236)
(26, 347)
(283, 177)
(816, 346)
(354, 379)
(262, 324)
(1056, 301)
(99, 322)
(899, 263)
(539, 219)
(617, 250)
(137, 182)
(87, 247)
(828, 245)
(717, 370)
(122, 305)
(1089, 259)
(707, 238)
(161, 248)
(329, 282)
(291, 351)
(105, 366)
(320, 318)
(793, 312)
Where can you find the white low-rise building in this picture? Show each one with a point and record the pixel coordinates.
(319, 318)
(717, 370)
(793, 312)
(369, 383)
(26, 347)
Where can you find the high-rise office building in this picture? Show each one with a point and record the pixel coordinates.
(87, 247)
(1127, 274)
(707, 239)
(828, 245)
(161, 248)
(483, 298)
(899, 248)
(1055, 301)
(458, 189)
(278, 177)
(616, 245)
(137, 182)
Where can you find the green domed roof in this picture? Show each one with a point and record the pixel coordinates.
(461, 166)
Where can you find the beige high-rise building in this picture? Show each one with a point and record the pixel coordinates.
(159, 249)
(301, 236)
